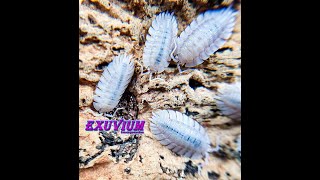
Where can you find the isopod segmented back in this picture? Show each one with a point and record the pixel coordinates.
(205, 35)
(228, 100)
(160, 42)
(180, 133)
(113, 82)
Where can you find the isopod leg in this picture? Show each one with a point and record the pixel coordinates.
(150, 78)
(174, 49)
(178, 66)
(111, 116)
(180, 71)
(116, 111)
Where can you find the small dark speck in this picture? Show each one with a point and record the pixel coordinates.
(164, 169)
(194, 84)
(113, 154)
(140, 160)
(127, 170)
(221, 153)
(190, 169)
(189, 113)
(102, 65)
(213, 175)
(228, 174)
(229, 74)
(82, 33)
(83, 101)
(161, 157)
(179, 172)
(117, 49)
(92, 20)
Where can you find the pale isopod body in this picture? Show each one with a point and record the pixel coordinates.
(205, 35)
(180, 134)
(228, 100)
(160, 42)
(113, 82)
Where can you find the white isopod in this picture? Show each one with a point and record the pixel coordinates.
(113, 82)
(228, 100)
(205, 35)
(181, 134)
(160, 43)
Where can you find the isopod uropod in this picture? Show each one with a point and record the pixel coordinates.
(113, 82)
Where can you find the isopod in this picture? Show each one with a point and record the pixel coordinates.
(160, 43)
(180, 134)
(113, 82)
(205, 35)
(228, 100)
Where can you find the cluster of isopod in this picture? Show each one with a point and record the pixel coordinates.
(206, 34)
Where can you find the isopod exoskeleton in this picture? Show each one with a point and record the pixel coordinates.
(160, 43)
(204, 36)
(228, 100)
(113, 82)
(180, 134)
